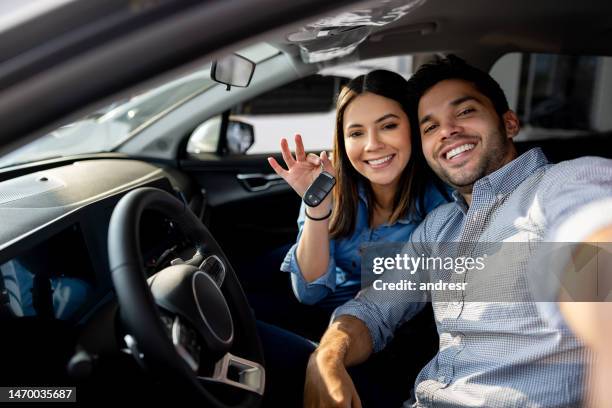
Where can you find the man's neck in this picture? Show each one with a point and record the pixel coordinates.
(466, 193)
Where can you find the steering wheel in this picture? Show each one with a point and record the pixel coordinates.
(184, 320)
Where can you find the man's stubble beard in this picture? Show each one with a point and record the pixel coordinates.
(491, 160)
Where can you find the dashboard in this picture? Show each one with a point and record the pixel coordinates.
(53, 240)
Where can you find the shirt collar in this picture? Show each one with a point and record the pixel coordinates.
(459, 200)
(509, 177)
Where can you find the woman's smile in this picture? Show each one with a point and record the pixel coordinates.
(381, 162)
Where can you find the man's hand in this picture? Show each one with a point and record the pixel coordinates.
(346, 342)
(328, 384)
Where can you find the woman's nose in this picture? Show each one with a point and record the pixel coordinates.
(373, 142)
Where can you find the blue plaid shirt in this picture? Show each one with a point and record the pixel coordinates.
(495, 354)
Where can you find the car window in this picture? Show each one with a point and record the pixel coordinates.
(107, 128)
(557, 96)
(305, 106)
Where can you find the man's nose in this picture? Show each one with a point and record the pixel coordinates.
(450, 128)
(373, 142)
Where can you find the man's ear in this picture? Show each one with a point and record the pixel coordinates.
(511, 124)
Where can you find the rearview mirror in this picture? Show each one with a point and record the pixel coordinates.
(233, 70)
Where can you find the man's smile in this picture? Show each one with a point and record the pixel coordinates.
(458, 151)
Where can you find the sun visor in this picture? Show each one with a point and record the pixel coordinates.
(338, 36)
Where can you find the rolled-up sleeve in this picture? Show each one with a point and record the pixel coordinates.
(383, 311)
(309, 292)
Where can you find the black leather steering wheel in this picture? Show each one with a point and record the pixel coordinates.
(185, 321)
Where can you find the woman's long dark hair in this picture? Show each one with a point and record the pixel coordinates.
(413, 180)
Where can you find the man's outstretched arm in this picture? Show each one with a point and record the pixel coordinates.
(592, 323)
(346, 342)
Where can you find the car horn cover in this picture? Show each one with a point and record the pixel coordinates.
(187, 291)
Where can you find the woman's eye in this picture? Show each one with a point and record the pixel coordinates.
(355, 134)
(390, 126)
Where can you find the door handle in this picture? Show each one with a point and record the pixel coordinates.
(258, 181)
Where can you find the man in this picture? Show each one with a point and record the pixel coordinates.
(491, 354)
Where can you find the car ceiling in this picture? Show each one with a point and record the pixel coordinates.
(487, 29)
(480, 30)
(498, 27)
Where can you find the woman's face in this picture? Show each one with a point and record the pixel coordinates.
(377, 138)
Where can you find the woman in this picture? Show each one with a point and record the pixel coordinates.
(383, 188)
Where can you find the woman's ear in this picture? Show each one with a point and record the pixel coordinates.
(511, 124)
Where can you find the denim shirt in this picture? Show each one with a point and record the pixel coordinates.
(343, 277)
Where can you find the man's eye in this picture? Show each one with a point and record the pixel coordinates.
(466, 111)
(429, 129)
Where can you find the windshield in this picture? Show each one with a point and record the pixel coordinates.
(108, 128)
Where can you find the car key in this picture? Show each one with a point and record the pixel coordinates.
(319, 189)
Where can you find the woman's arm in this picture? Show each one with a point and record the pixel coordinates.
(313, 247)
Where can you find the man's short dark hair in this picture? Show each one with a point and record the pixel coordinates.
(453, 67)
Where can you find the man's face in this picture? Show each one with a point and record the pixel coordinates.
(463, 137)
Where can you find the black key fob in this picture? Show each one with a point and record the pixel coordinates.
(319, 189)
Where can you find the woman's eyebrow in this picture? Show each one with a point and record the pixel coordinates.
(387, 116)
(384, 117)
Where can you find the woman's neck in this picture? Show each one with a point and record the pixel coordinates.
(384, 196)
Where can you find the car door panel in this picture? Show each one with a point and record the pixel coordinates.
(249, 210)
